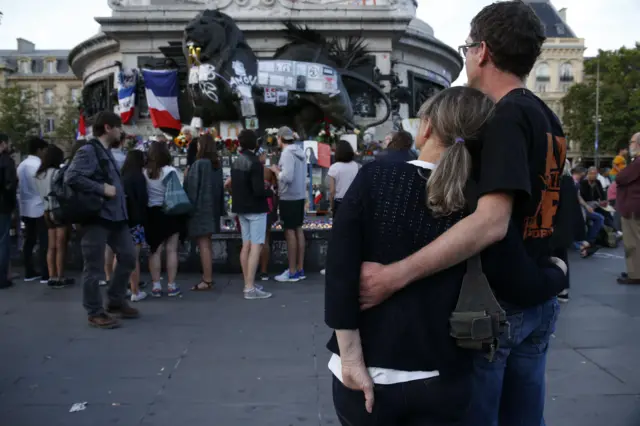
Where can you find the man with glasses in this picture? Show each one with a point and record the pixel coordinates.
(94, 170)
(518, 171)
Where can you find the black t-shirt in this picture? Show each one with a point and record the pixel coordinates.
(523, 150)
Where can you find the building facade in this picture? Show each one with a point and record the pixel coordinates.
(140, 32)
(44, 72)
(561, 63)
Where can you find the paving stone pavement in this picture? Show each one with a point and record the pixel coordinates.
(215, 359)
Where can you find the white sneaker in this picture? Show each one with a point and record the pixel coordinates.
(287, 277)
(256, 294)
(138, 297)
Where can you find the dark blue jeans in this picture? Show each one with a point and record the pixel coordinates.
(597, 222)
(510, 391)
(5, 248)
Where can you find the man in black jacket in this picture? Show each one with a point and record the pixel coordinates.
(250, 204)
(8, 186)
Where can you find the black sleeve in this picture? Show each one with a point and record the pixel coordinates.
(517, 277)
(192, 151)
(585, 191)
(504, 159)
(257, 181)
(344, 257)
(10, 176)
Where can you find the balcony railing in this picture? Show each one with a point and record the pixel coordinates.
(567, 78)
(543, 78)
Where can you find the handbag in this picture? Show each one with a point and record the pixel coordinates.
(478, 320)
(176, 202)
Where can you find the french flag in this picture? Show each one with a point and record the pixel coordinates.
(82, 127)
(161, 87)
(127, 94)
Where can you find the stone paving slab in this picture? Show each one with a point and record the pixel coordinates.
(212, 358)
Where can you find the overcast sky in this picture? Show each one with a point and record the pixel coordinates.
(605, 24)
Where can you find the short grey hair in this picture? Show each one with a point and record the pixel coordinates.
(188, 129)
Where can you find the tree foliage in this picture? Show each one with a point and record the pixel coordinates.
(18, 115)
(619, 100)
(67, 124)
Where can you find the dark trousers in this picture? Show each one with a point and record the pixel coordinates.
(94, 240)
(35, 229)
(432, 402)
(5, 248)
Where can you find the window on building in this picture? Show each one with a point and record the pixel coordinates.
(75, 95)
(564, 87)
(542, 87)
(49, 125)
(52, 67)
(25, 66)
(560, 29)
(566, 72)
(543, 72)
(23, 94)
(48, 96)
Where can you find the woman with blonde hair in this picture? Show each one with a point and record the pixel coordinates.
(392, 210)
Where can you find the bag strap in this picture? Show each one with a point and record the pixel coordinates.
(98, 145)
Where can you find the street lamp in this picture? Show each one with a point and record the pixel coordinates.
(597, 155)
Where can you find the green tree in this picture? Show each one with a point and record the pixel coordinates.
(18, 115)
(67, 124)
(619, 100)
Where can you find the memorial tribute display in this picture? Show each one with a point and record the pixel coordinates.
(301, 86)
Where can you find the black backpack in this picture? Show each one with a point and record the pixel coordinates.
(75, 207)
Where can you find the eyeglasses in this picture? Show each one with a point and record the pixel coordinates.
(465, 47)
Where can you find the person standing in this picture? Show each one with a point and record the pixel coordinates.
(619, 163)
(32, 212)
(93, 170)
(516, 169)
(8, 188)
(341, 174)
(291, 173)
(204, 186)
(56, 251)
(250, 204)
(628, 205)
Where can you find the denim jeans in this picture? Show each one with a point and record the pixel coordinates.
(5, 248)
(511, 390)
(437, 401)
(94, 240)
(597, 222)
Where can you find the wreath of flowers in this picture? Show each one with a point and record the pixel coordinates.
(181, 141)
(232, 145)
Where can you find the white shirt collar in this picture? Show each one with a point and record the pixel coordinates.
(422, 164)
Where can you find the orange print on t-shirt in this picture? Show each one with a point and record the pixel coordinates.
(540, 225)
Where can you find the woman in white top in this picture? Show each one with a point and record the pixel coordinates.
(57, 245)
(161, 230)
(341, 174)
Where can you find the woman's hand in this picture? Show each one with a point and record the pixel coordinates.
(355, 376)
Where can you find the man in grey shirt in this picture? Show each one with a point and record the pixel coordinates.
(110, 228)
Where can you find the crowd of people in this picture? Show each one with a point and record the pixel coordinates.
(491, 194)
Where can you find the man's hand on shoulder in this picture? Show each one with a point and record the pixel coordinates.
(378, 282)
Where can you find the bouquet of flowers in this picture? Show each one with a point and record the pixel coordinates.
(271, 136)
(232, 145)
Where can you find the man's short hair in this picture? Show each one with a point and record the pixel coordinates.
(4, 138)
(286, 134)
(248, 140)
(400, 140)
(35, 144)
(513, 34)
(105, 118)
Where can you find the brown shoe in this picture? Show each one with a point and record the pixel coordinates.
(124, 311)
(103, 321)
(626, 280)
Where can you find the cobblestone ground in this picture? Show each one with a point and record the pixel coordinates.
(215, 359)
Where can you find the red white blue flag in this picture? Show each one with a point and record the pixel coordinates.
(162, 97)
